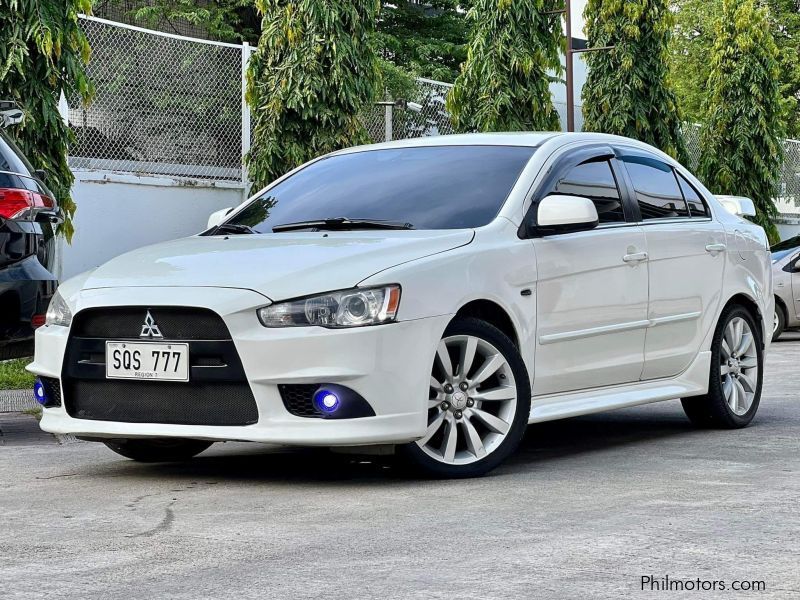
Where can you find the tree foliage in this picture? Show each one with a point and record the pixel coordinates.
(741, 138)
(627, 90)
(695, 36)
(223, 20)
(313, 71)
(426, 40)
(512, 56)
(42, 52)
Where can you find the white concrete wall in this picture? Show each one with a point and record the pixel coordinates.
(118, 212)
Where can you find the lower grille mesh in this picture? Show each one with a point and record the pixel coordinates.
(53, 389)
(161, 402)
(298, 399)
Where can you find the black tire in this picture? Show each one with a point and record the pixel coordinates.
(711, 409)
(780, 316)
(158, 450)
(421, 463)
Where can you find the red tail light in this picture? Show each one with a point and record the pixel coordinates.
(15, 203)
(38, 321)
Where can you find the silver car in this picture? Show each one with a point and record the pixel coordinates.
(786, 278)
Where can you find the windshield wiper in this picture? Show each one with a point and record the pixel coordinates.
(342, 224)
(232, 228)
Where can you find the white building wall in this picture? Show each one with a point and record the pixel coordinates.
(118, 212)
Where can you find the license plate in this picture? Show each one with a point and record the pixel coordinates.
(146, 360)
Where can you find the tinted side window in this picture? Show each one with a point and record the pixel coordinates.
(594, 180)
(657, 191)
(697, 207)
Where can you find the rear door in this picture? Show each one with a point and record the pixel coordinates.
(686, 258)
(591, 305)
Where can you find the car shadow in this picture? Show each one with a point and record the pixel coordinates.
(635, 428)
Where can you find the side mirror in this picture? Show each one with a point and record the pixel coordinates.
(565, 214)
(218, 217)
(9, 113)
(738, 205)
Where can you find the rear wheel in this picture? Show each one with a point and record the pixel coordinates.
(158, 450)
(737, 365)
(478, 403)
(778, 322)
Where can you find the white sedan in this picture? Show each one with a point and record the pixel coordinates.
(432, 296)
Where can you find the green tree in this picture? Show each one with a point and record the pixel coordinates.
(315, 68)
(694, 37)
(223, 20)
(741, 137)
(626, 91)
(42, 52)
(512, 56)
(427, 40)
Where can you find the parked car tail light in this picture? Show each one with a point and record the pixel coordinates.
(15, 203)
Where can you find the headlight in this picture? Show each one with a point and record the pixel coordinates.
(348, 308)
(58, 312)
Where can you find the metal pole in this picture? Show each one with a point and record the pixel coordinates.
(245, 117)
(388, 129)
(570, 76)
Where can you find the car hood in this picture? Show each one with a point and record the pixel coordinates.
(279, 266)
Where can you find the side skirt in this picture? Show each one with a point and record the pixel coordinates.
(692, 382)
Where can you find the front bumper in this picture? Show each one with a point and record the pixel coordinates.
(389, 365)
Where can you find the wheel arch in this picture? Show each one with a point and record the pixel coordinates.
(492, 313)
(752, 307)
(782, 305)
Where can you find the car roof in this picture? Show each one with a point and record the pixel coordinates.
(532, 139)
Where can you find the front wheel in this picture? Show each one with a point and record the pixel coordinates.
(778, 322)
(737, 366)
(158, 450)
(478, 403)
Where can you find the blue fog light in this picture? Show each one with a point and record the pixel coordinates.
(39, 392)
(326, 401)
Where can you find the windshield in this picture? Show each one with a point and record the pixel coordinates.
(788, 244)
(441, 187)
(776, 256)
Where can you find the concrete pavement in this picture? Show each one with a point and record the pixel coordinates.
(586, 509)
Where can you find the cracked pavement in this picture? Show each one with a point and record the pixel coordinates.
(585, 509)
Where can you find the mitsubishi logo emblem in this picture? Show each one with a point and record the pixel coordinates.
(150, 328)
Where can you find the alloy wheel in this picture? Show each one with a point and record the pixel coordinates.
(739, 365)
(472, 401)
(775, 321)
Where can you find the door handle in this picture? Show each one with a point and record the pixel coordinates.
(635, 257)
(716, 248)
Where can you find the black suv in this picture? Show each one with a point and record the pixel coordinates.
(28, 213)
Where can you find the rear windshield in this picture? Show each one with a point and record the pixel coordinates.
(441, 187)
(11, 158)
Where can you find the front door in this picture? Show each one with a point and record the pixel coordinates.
(591, 302)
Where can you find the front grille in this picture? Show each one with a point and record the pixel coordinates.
(125, 322)
(298, 399)
(217, 392)
(162, 402)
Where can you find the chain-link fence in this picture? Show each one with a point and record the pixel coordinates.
(424, 115)
(164, 104)
(171, 105)
(789, 192)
